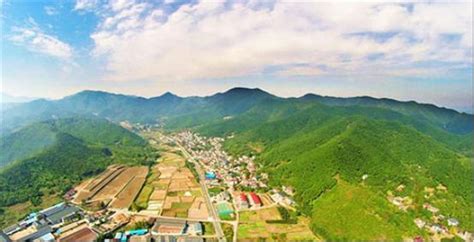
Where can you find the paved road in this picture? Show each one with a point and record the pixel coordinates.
(211, 209)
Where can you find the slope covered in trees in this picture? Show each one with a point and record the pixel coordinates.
(317, 148)
(80, 147)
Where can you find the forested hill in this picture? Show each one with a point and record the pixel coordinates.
(325, 151)
(179, 112)
(50, 156)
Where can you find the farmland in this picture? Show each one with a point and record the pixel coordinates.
(254, 225)
(118, 185)
(171, 189)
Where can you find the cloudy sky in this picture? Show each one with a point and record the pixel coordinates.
(401, 50)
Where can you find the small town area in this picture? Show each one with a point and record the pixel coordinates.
(194, 192)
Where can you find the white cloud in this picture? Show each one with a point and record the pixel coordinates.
(49, 10)
(85, 5)
(219, 40)
(35, 40)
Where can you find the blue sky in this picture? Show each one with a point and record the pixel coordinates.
(419, 51)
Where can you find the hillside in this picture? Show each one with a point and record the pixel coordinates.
(318, 149)
(34, 138)
(76, 148)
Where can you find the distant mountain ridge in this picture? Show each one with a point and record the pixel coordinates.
(188, 111)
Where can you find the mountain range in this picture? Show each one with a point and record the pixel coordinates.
(322, 146)
(171, 109)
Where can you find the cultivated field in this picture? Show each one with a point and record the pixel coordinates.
(128, 194)
(118, 184)
(253, 225)
(171, 189)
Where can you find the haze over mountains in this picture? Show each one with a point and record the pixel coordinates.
(322, 146)
(169, 106)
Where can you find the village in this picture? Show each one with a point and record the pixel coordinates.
(438, 225)
(195, 192)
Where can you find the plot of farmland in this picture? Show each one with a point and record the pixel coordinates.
(175, 189)
(128, 194)
(114, 186)
(88, 190)
(253, 225)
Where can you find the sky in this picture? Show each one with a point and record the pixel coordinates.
(408, 51)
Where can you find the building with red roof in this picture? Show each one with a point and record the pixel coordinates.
(243, 201)
(255, 200)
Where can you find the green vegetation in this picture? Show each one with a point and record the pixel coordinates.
(192, 167)
(322, 146)
(287, 217)
(209, 228)
(81, 148)
(315, 144)
(347, 211)
(228, 231)
(142, 199)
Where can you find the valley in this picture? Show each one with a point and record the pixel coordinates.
(239, 165)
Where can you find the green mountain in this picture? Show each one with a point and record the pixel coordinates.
(177, 112)
(72, 149)
(324, 151)
(322, 146)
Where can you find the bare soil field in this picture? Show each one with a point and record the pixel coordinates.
(90, 188)
(127, 195)
(114, 186)
(158, 195)
(198, 209)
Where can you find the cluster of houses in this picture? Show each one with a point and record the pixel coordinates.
(222, 168)
(250, 200)
(438, 224)
(163, 230)
(65, 222)
(45, 225)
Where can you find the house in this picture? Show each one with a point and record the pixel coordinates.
(197, 229)
(140, 238)
(430, 208)
(30, 233)
(255, 200)
(435, 228)
(210, 175)
(163, 227)
(82, 234)
(45, 238)
(60, 213)
(289, 190)
(453, 222)
(4, 237)
(277, 197)
(419, 223)
(243, 201)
